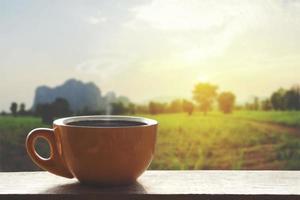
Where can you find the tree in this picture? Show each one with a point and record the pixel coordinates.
(143, 109)
(22, 110)
(175, 106)
(226, 102)
(205, 94)
(248, 106)
(45, 111)
(156, 107)
(3, 113)
(118, 108)
(292, 98)
(48, 111)
(266, 105)
(286, 99)
(14, 108)
(256, 103)
(61, 108)
(277, 99)
(152, 108)
(188, 106)
(131, 108)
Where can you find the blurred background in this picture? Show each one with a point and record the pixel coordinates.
(221, 77)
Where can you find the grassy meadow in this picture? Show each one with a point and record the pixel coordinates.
(242, 140)
(290, 118)
(13, 131)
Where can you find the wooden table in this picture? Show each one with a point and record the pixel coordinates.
(208, 185)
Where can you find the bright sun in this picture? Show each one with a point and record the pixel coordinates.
(202, 79)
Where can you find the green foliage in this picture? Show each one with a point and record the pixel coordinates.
(175, 106)
(266, 105)
(200, 142)
(292, 98)
(286, 99)
(142, 109)
(13, 132)
(188, 106)
(288, 118)
(226, 102)
(156, 107)
(216, 141)
(221, 142)
(205, 94)
(277, 99)
(289, 151)
(48, 111)
(253, 105)
(22, 110)
(14, 108)
(119, 108)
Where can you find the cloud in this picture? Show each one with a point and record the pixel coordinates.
(198, 30)
(103, 65)
(201, 30)
(192, 15)
(96, 20)
(167, 41)
(106, 65)
(181, 15)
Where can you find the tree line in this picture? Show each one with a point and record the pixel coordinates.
(16, 110)
(280, 100)
(61, 108)
(205, 97)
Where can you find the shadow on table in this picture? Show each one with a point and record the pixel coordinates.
(78, 188)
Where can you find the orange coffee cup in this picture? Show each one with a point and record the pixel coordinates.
(107, 150)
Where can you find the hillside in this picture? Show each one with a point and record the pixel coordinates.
(80, 96)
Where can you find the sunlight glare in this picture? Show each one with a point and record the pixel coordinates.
(202, 79)
(179, 15)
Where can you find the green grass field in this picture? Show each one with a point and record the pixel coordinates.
(237, 141)
(291, 118)
(13, 131)
(242, 140)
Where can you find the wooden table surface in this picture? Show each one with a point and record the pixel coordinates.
(158, 185)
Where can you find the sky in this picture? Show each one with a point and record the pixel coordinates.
(149, 49)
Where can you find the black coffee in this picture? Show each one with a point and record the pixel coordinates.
(106, 123)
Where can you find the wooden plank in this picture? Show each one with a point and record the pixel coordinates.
(158, 185)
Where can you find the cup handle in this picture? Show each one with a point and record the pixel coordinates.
(54, 163)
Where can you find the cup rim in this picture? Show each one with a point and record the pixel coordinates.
(63, 121)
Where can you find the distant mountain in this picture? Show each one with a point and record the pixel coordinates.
(79, 95)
